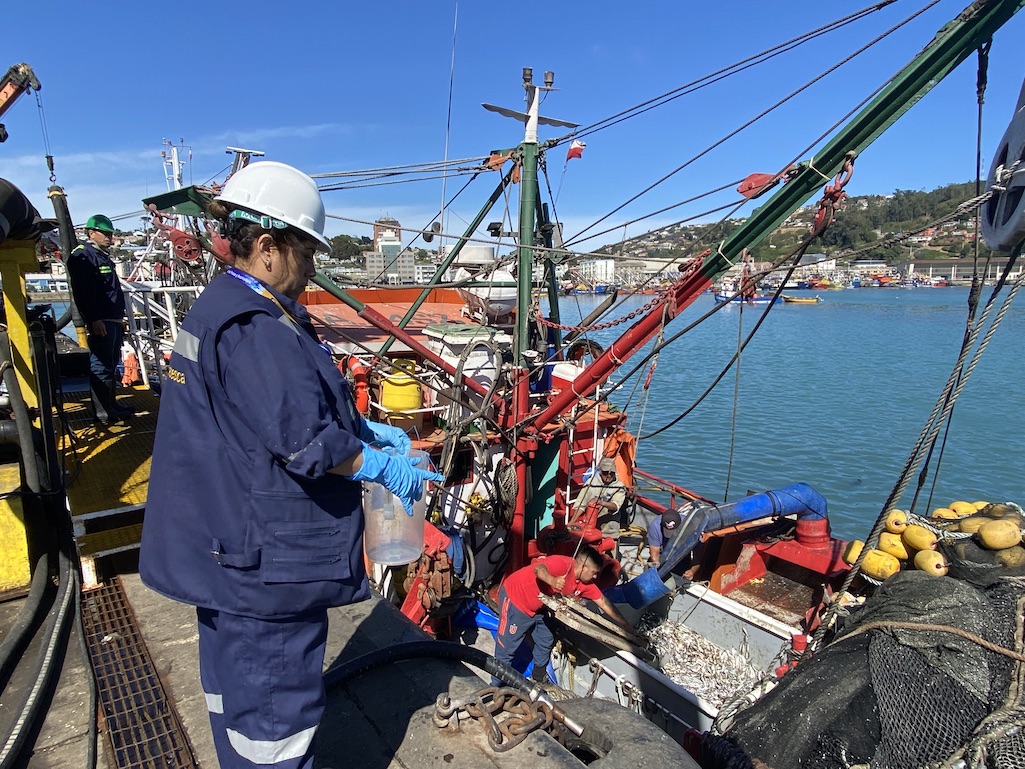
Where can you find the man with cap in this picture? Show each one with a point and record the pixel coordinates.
(605, 489)
(660, 532)
(97, 291)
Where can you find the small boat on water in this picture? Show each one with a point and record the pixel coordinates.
(800, 299)
(756, 299)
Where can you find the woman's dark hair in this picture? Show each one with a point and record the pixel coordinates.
(241, 234)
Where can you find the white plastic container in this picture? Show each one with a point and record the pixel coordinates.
(481, 362)
(390, 536)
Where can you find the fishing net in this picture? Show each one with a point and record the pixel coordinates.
(929, 673)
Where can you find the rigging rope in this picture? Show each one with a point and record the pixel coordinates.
(941, 411)
(976, 289)
(758, 117)
(720, 74)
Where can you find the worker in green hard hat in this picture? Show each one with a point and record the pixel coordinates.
(96, 289)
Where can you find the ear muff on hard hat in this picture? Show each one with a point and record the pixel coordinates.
(283, 194)
(101, 223)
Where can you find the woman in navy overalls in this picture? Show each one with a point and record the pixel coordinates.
(254, 512)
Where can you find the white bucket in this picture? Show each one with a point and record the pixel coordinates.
(391, 537)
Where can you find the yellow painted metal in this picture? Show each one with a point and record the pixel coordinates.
(115, 458)
(18, 257)
(110, 541)
(15, 570)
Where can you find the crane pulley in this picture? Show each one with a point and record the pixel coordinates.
(16, 81)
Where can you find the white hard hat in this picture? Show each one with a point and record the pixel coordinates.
(279, 191)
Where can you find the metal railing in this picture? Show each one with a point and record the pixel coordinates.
(153, 316)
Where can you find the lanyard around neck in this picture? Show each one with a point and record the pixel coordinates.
(262, 290)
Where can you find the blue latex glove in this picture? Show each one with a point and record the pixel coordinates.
(399, 474)
(378, 434)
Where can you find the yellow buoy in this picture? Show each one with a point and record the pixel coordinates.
(961, 507)
(892, 543)
(945, 513)
(972, 523)
(919, 538)
(1011, 557)
(896, 521)
(980, 504)
(999, 534)
(852, 551)
(932, 562)
(879, 565)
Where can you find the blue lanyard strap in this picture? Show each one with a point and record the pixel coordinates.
(262, 290)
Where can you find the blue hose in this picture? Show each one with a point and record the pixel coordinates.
(798, 499)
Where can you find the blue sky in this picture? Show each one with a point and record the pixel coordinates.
(343, 86)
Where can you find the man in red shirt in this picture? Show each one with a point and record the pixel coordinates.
(520, 606)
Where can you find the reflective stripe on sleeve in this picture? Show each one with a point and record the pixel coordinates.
(187, 345)
(214, 704)
(272, 751)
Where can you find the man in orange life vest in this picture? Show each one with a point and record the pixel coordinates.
(522, 614)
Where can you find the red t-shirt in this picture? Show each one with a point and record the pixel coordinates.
(523, 585)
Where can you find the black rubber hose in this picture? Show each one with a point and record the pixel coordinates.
(31, 709)
(44, 358)
(21, 418)
(19, 634)
(66, 230)
(418, 649)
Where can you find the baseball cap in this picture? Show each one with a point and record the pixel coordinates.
(607, 465)
(670, 520)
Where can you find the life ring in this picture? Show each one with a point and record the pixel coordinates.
(360, 383)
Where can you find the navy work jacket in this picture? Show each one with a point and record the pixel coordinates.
(242, 515)
(95, 285)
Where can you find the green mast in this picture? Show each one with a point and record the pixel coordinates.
(528, 154)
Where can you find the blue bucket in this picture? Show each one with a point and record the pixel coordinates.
(643, 590)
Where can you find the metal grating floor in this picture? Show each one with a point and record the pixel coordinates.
(143, 728)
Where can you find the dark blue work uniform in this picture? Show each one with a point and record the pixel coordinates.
(98, 295)
(243, 520)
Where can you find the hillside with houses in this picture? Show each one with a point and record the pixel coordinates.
(904, 236)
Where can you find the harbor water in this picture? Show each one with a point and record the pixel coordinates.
(834, 395)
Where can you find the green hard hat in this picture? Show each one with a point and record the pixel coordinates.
(99, 222)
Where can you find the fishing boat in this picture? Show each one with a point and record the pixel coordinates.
(516, 407)
(755, 299)
(800, 299)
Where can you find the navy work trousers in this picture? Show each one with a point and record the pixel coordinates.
(105, 351)
(264, 687)
(513, 628)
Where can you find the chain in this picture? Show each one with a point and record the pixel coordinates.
(660, 297)
(523, 716)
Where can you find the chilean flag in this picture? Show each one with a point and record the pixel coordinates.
(576, 149)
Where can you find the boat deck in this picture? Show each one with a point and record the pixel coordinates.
(340, 325)
(108, 480)
(153, 713)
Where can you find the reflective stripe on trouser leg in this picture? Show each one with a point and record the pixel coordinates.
(513, 628)
(274, 698)
(207, 622)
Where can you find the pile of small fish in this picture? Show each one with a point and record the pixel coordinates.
(715, 674)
